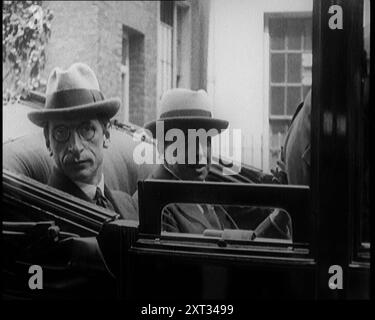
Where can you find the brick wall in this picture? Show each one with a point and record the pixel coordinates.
(141, 18)
(92, 31)
(74, 30)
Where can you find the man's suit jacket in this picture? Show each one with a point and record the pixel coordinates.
(297, 145)
(121, 201)
(190, 217)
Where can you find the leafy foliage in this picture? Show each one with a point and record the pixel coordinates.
(26, 30)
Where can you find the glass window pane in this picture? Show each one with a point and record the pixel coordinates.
(294, 68)
(166, 12)
(305, 91)
(306, 69)
(294, 32)
(277, 34)
(293, 99)
(278, 131)
(277, 100)
(308, 35)
(125, 47)
(234, 222)
(277, 67)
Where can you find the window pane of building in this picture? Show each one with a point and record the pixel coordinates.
(277, 67)
(125, 47)
(305, 91)
(277, 100)
(293, 99)
(277, 34)
(306, 69)
(291, 70)
(166, 61)
(295, 30)
(307, 43)
(166, 12)
(294, 67)
(278, 131)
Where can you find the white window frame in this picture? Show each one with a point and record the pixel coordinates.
(266, 83)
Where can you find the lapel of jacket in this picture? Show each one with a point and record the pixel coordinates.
(108, 195)
(60, 181)
(192, 212)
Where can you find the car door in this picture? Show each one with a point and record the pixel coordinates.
(327, 258)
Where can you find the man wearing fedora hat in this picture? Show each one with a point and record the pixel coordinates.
(75, 121)
(182, 110)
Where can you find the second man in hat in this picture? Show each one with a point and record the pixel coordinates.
(183, 109)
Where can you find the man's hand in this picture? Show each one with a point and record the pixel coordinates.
(279, 173)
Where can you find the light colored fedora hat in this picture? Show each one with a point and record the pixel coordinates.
(186, 109)
(74, 93)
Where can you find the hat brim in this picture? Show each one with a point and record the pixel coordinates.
(106, 108)
(192, 122)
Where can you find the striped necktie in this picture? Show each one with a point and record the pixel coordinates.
(101, 200)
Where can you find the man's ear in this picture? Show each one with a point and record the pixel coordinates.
(46, 138)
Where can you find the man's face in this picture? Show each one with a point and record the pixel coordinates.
(197, 171)
(77, 148)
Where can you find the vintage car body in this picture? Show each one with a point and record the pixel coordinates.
(141, 262)
(34, 210)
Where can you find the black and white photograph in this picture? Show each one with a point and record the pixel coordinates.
(197, 153)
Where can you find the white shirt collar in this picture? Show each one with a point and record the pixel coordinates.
(90, 189)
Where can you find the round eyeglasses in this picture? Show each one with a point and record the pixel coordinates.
(62, 133)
